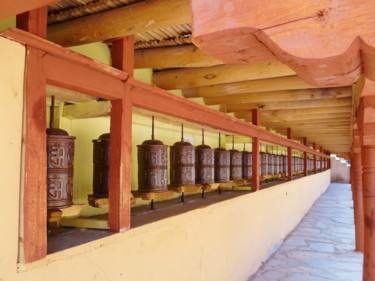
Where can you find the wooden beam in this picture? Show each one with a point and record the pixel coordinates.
(68, 95)
(179, 56)
(282, 96)
(290, 104)
(199, 77)
(305, 172)
(34, 21)
(309, 49)
(9, 8)
(255, 154)
(128, 20)
(340, 120)
(123, 54)
(255, 86)
(290, 173)
(85, 110)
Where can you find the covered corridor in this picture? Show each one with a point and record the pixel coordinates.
(321, 247)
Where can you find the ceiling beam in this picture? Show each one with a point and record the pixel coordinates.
(11, 8)
(199, 77)
(285, 105)
(280, 118)
(255, 86)
(283, 95)
(317, 121)
(170, 57)
(128, 20)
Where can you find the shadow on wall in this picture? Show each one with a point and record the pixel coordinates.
(340, 170)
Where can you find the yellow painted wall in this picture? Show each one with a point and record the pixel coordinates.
(225, 241)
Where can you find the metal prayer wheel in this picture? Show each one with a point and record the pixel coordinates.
(182, 155)
(152, 165)
(247, 167)
(60, 159)
(204, 163)
(101, 166)
(276, 164)
(270, 163)
(235, 163)
(222, 164)
(264, 163)
(285, 164)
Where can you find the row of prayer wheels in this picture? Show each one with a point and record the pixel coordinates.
(189, 165)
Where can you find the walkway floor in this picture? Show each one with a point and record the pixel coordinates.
(321, 247)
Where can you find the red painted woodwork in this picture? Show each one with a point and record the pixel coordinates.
(34, 21)
(255, 152)
(290, 173)
(314, 158)
(10, 8)
(321, 160)
(35, 177)
(305, 172)
(233, 29)
(121, 141)
(356, 167)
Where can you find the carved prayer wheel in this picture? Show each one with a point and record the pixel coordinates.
(101, 166)
(235, 163)
(204, 163)
(270, 163)
(247, 167)
(285, 164)
(60, 159)
(264, 163)
(222, 163)
(182, 162)
(152, 165)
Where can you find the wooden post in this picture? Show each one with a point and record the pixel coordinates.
(290, 173)
(321, 160)
(314, 157)
(305, 158)
(366, 124)
(121, 142)
(356, 167)
(255, 153)
(34, 234)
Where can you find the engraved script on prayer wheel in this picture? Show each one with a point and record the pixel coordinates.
(182, 155)
(204, 163)
(247, 160)
(222, 164)
(101, 166)
(235, 163)
(60, 159)
(152, 165)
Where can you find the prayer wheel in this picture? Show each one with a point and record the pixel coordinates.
(247, 167)
(222, 164)
(182, 155)
(270, 163)
(152, 165)
(235, 163)
(100, 166)
(204, 163)
(285, 164)
(60, 159)
(264, 163)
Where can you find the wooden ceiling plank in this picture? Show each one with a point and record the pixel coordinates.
(128, 20)
(254, 86)
(199, 77)
(179, 56)
(282, 96)
(285, 105)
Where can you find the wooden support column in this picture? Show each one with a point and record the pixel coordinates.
(34, 234)
(121, 142)
(321, 160)
(305, 158)
(356, 168)
(314, 157)
(290, 169)
(366, 125)
(255, 153)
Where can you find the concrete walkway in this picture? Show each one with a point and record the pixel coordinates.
(321, 247)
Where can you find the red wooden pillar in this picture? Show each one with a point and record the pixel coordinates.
(255, 153)
(305, 158)
(356, 168)
(35, 177)
(290, 173)
(314, 158)
(321, 160)
(121, 141)
(366, 125)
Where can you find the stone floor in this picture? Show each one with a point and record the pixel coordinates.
(321, 247)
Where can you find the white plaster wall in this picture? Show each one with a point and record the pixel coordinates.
(225, 241)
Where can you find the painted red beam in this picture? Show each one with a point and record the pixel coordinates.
(10, 8)
(290, 163)
(158, 100)
(256, 157)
